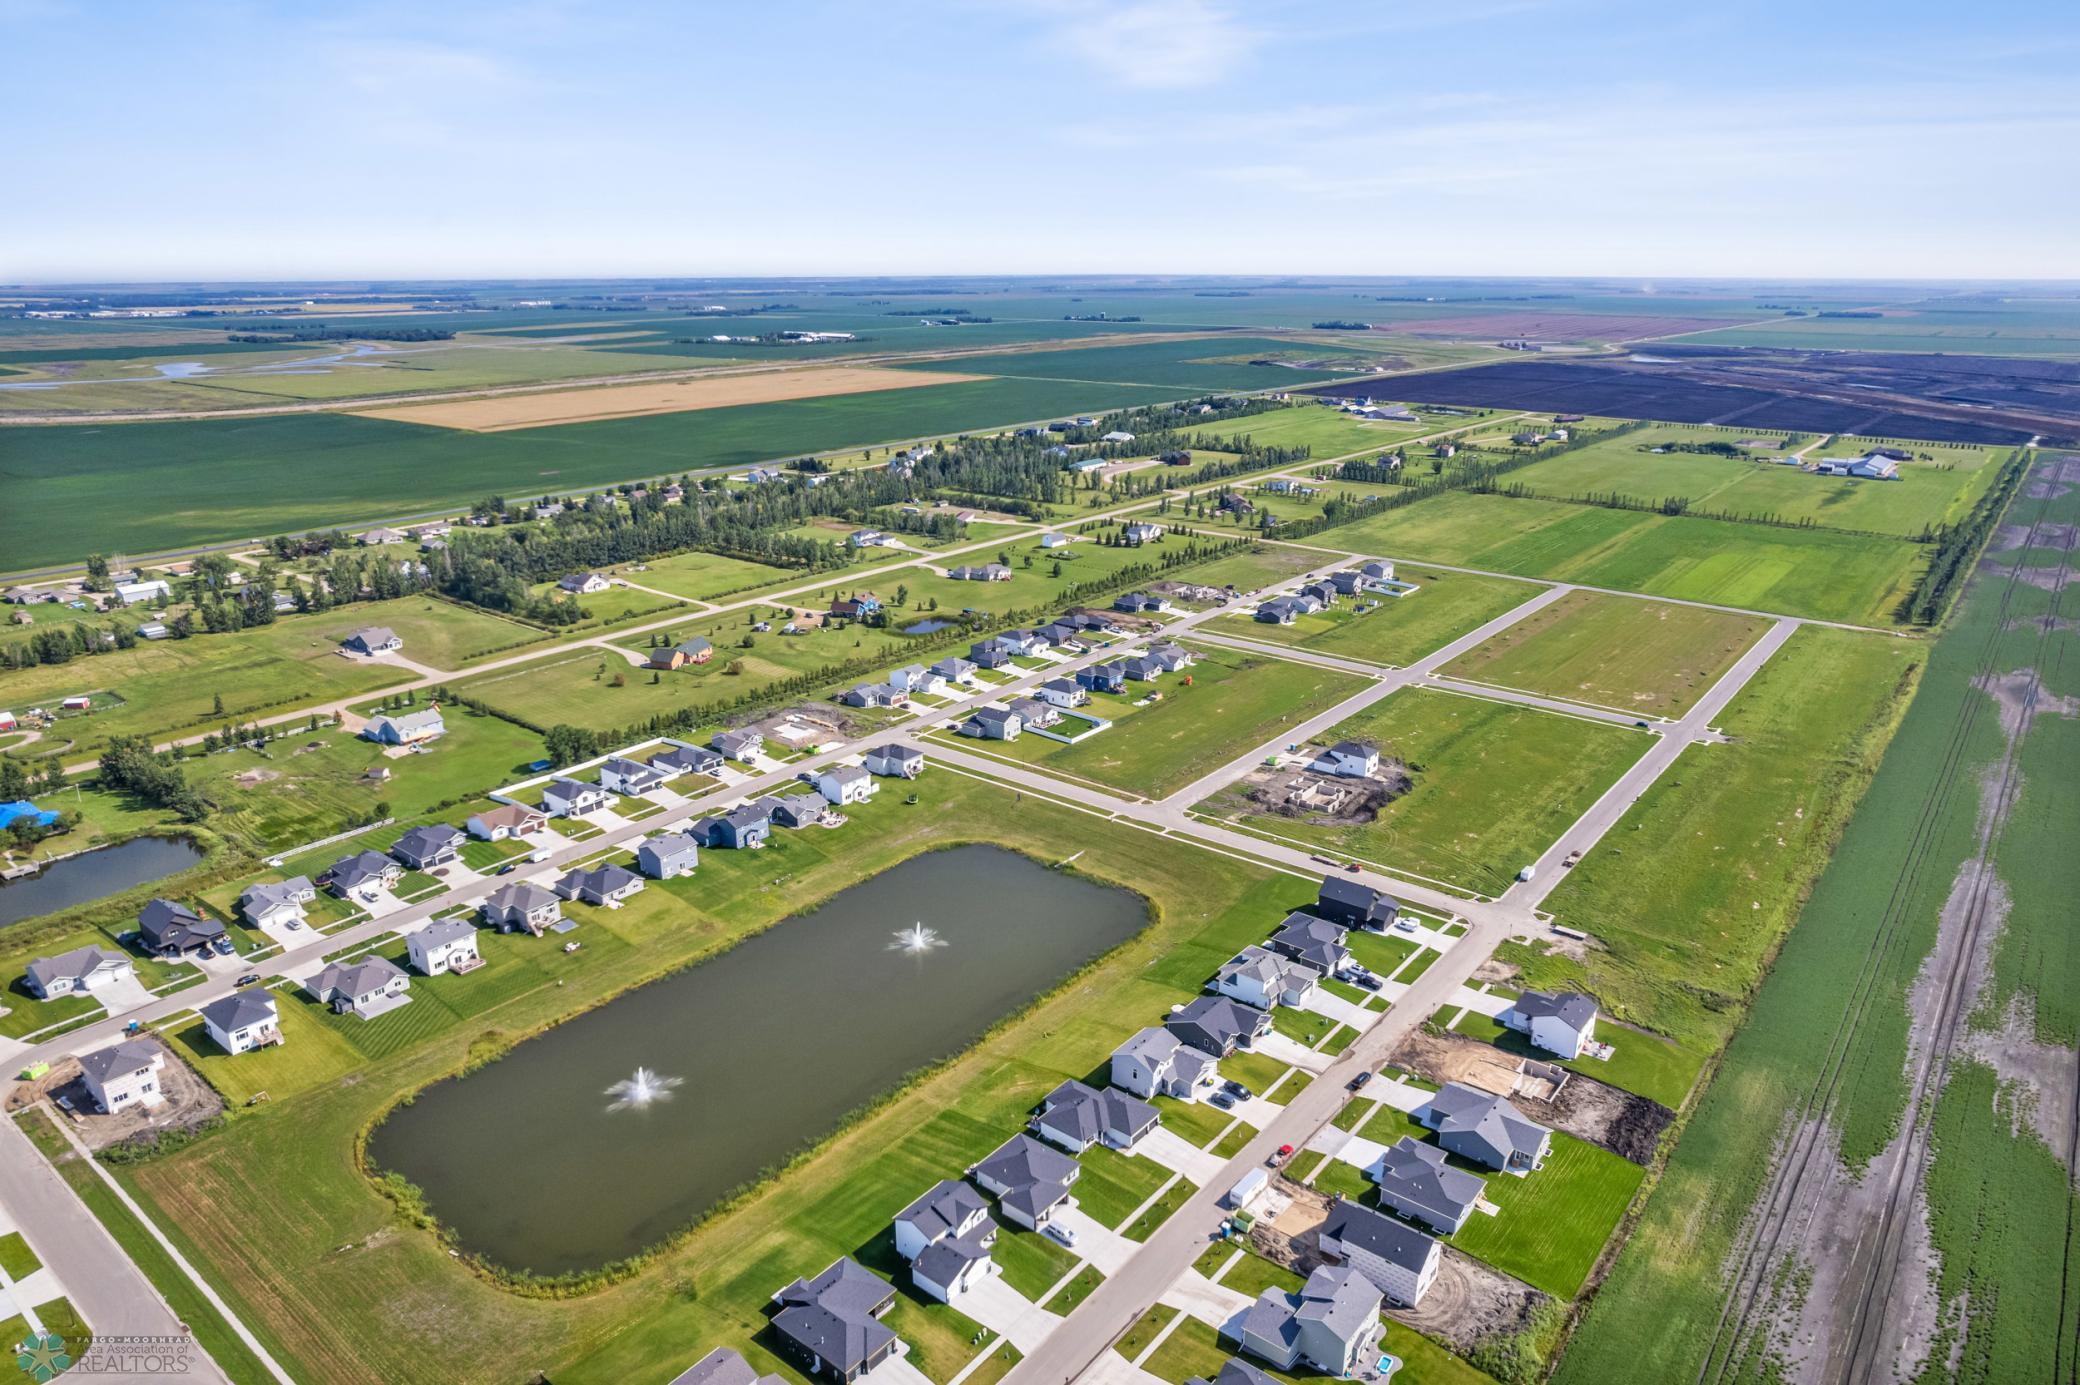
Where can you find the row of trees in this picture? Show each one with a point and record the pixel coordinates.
(129, 765)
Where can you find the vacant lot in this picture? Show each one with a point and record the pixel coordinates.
(703, 576)
(1398, 630)
(1468, 820)
(1614, 651)
(1809, 572)
(511, 411)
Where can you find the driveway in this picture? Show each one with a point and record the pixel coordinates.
(1095, 1242)
(1005, 1311)
(1480, 1002)
(1211, 1303)
(1335, 1007)
(897, 1370)
(123, 994)
(1355, 1150)
(1292, 1052)
(1174, 1152)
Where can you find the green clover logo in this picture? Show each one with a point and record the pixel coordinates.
(42, 1357)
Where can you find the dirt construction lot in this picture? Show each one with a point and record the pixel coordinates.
(501, 413)
(1626, 1125)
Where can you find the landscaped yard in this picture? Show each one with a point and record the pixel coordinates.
(1554, 1222)
(1648, 657)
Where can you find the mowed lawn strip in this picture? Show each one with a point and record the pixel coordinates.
(1649, 657)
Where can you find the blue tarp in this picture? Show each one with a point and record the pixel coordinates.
(23, 808)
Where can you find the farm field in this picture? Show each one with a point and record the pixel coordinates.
(219, 480)
(1399, 630)
(1614, 651)
(1467, 820)
(1212, 363)
(1938, 487)
(1808, 572)
(1845, 1003)
(347, 1317)
(1983, 330)
(1235, 701)
(1329, 432)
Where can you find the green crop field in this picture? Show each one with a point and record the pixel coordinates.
(1236, 700)
(218, 480)
(1809, 572)
(1467, 820)
(1398, 630)
(1213, 363)
(1614, 651)
(1938, 487)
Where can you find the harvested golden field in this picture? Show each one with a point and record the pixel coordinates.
(505, 412)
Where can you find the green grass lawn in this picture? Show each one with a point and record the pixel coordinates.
(1647, 657)
(1380, 953)
(17, 1261)
(1075, 1291)
(704, 576)
(1032, 1263)
(1554, 1222)
(1810, 572)
(1143, 1332)
(1197, 1122)
(1113, 1184)
(1256, 1071)
(1235, 700)
(1398, 630)
(1159, 1211)
(437, 633)
(1467, 820)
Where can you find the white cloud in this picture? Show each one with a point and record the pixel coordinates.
(1158, 44)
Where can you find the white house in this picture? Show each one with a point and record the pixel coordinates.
(124, 1076)
(583, 583)
(1562, 1022)
(130, 593)
(366, 987)
(1141, 532)
(442, 946)
(916, 678)
(1400, 1261)
(1062, 692)
(1331, 1323)
(1348, 760)
(405, 728)
(946, 1236)
(1054, 540)
(271, 905)
(1156, 1062)
(506, 820)
(1260, 978)
(843, 784)
(567, 798)
(243, 1021)
(625, 776)
(895, 761)
(76, 972)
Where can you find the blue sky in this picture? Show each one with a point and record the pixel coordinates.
(447, 138)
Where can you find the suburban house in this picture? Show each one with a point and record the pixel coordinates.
(167, 929)
(1062, 635)
(989, 654)
(797, 810)
(1400, 1261)
(665, 857)
(1236, 1371)
(1280, 610)
(1029, 1180)
(363, 874)
(367, 987)
(1348, 760)
(1314, 943)
(1021, 643)
(869, 538)
(1416, 1180)
(1036, 715)
(895, 761)
(916, 678)
(1075, 1117)
(1331, 1323)
(1109, 678)
(423, 848)
(1063, 692)
(1141, 668)
(744, 745)
(1054, 540)
(1562, 1022)
(521, 906)
(130, 593)
(625, 776)
(723, 1367)
(372, 639)
(1141, 532)
(1349, 582)
(567, 798)
(444, 945)
(375, 537)
(743, 827)
(1116, 435)
(830, 1326)
(243, 1020)
(955, 670)
(506, 820)
(855, 607)
(405, 728)
(1141, 603)
(1217, 1025)
(277, 905)
(583, 583)
(694, 650)
(987, 572)
(875, 695)
(994, 724)
(600, 885)
(124, 1075)
(1260, 978)
(1483, 1128)
(1345, 901)
(1378, 571)
(844, 784)
(76, 972)
(688, 759)
(946, 1236)
(1155, 1062)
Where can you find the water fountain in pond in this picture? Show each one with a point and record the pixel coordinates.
(640, 1089)
(916, 940)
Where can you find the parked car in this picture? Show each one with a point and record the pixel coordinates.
(506, 869)
(1369, 983)
(222, 947)
(249, 979)
(1405, 925)
(1234, 1089)
(1066, 1235)
(1352, 868)
(1360, 1080)
(1221, 1100)
(1283, 1153)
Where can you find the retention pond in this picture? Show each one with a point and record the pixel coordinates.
(542, 1161)
(93, 875)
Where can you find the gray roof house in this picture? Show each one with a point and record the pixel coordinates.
(747, 826)
(1484, 1128)
(1354, 905)
(946, 1235)
(1259, 977)
(799, 809)
(1330, 1323)
(1155, 1062)
(1217, 1025)
(1035, 713)
(1416, 1180)
(626, 776)
(1234, 1371)
(688, 759)
(511, 908)
(169, 929)
(405, 728)
(830, 1325)
(955, 670)
(367, 987)
(1400, 1261)
(277, 902)
(1030, 1180)
(993, 723)
(1075, 1117)
(70, 973)
(895, 761)
(444, 946)
(1312, 942)
(423, 848)
(723, 1367)
(243, 1020)
(669, 855)
(601, 885)
(373, 639)
(1562, 1022)
(123, 1075)
(363, 870)
(738, 745)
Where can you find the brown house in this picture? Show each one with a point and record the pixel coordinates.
(674, 656)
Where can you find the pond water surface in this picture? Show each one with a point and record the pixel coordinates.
(94, 875)
(772, 1044)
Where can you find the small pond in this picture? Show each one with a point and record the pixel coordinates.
(95, 875)
(927, 627)
(537, 1165)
